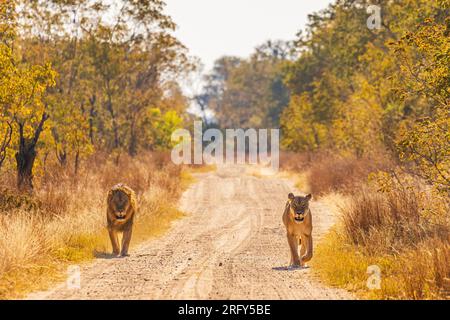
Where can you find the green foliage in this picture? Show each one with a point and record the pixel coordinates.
(425, 63)
(423, 140)
(22, 90)
(72, 82)
(249, 93)
(366, 91)
(7, 21)
(70, 133)
(344, 87)
(162, 125)
(426, 146)
(301, 131)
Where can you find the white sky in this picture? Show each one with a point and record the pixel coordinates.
(214, 28)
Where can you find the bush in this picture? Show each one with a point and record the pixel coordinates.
(298, 162)
(400, 217)
(64, 221)
(11, 199)
(408, 226)
(329, 172)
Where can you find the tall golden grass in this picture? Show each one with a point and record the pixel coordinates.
(393, 221)
(64, 222)
(328, 172)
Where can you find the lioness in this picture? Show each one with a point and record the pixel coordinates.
(122, 206)
(298, 221)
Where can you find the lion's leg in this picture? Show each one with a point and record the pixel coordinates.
(302, 248)
(114, 240)
(293, 245)
(309, 249)
(126, 241)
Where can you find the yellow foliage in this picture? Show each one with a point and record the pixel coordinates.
(301, 131)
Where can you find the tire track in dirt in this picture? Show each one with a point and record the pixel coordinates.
(231, 245)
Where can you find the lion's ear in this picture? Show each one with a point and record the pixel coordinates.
(308, 197)
(291, 196)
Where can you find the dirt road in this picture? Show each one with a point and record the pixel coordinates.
(231, 245)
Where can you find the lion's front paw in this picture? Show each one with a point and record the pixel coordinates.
(294, 266)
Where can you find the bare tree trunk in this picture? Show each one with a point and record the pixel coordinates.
(109, 107)
(5, 143)
(77, 162)
(92, 115)
(26, 155)
(25, 160)
(132, 148)
(62, 157)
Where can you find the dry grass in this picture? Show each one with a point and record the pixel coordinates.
(400, 217)
(335, 173)
(403, 230)
(296, 167)
(64, 223)
(326, 172)
(421, 273)
(393, 221)
(297, 162)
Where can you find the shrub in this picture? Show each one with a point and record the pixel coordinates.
(64, 221)
(394, 219)
(330, 172)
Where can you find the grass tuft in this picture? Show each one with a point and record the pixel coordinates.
(65, 222)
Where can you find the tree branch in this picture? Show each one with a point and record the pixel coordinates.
(39, 129)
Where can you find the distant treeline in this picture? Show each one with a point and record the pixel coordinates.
(344, 87)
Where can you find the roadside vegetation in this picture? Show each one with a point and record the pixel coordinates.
(64, 221)
(386, 218)
(364, 114)
(85, 103)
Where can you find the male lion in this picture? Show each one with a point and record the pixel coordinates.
(298, 221)
(122, 206)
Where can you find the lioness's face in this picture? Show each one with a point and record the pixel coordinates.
(299, 207)
(121, 203)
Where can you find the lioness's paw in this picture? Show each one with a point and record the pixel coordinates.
(294, 267)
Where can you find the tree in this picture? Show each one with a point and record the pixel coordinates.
(349, 72)
(161, 127)
(70, 133)
(426, 145)
(424, 138)
(248, 93)
(301, 131)
(72, 81)
(22, 103)
(6, 128)
(129, 56)
(7, 33)
(111, 70)
(22, 88)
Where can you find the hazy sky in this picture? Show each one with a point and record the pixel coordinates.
(213, 28)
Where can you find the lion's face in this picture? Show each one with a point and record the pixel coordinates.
(299, 207)
(120, 202)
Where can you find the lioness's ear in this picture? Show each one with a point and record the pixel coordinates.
(308, 197)
(291, 196)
